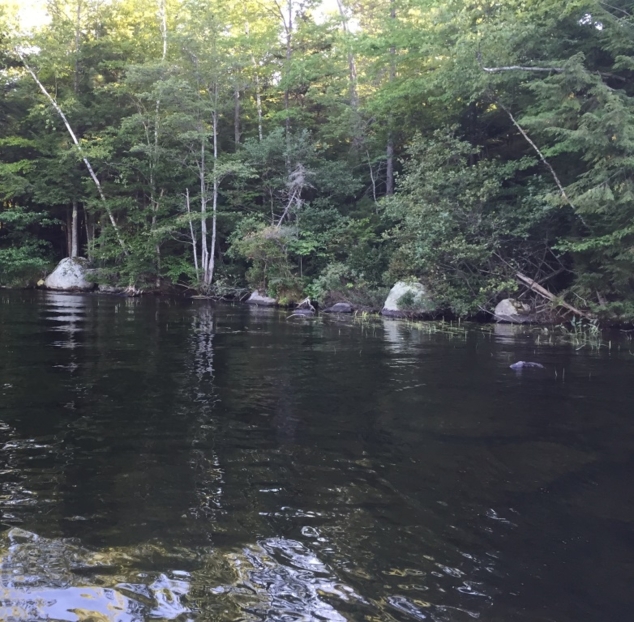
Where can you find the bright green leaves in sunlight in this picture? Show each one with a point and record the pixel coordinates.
(252, 145)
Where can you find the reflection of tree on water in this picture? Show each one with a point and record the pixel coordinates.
(204, 461)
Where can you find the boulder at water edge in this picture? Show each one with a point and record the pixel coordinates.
(512, 311)
(340, 307)
(261, 300)
(70, 276)
(407, 300)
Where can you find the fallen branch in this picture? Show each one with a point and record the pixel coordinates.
(306, 304)
(603, 74)
(542, 291)
(519, 68)
(539, 153)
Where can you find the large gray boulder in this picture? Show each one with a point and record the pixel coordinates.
(340, 307)
(70, 275)
(261, 300)
(512, 311)
(408, 299)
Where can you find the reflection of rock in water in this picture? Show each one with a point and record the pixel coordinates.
(67, 313)
(393, 333)
(509, 332)
(47, 579)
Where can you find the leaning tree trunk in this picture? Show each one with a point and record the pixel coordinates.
(85, 160)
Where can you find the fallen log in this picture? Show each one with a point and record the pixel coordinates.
(542, 291)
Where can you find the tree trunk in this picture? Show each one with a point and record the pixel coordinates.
(90, 234)
(389, 166)
(258, 97)
(193, 236)
(67, 228)
(352, 65)
(389, 151)
(74, 231)
(258, 103)
(77, 35)
(154, 202)
(204, 252)
(288, 25)
(236, 117)
(214, 202)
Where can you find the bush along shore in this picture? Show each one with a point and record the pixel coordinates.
(419, 159)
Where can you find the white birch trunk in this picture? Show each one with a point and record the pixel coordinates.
(85, 160)
(214, 202)
(193, 236)
(204, 253)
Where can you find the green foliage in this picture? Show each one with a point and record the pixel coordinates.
(266, 248)
(456, 222)
(23, 265)
(24, 257)
(259, 147)
(338, 282)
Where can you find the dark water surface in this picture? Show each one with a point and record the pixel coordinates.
(172, 460)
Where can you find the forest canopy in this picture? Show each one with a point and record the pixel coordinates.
(323, 149)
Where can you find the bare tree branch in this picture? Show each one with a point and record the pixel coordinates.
(521, 68)
(538, 152)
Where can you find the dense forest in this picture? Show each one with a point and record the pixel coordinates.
(324, 149)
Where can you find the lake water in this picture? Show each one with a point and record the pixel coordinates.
(175, 460)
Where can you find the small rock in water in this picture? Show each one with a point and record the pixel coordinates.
(523, 364)
(304, 312)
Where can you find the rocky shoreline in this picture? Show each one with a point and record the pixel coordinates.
(406, 300)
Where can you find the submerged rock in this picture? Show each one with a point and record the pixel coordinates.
(512, 311)
(340, 307)
(261, 300)
(70, 275)
(303, 312)
(407, 300)
(526, 364)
